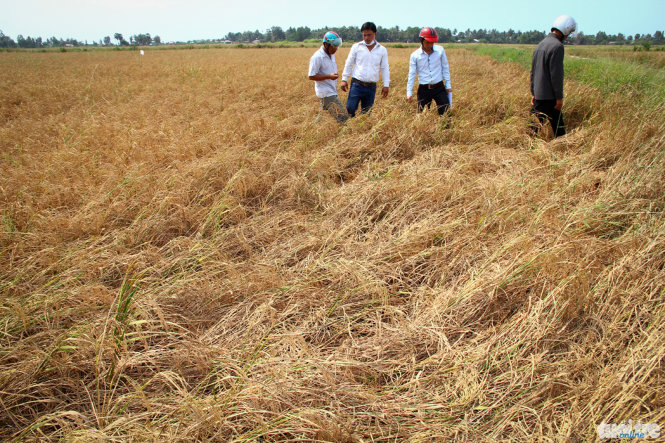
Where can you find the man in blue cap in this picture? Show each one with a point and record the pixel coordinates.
(323, 71)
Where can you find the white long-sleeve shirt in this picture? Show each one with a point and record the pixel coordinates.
(365, 65)
(431, 68)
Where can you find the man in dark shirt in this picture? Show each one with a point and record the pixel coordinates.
(547, 74)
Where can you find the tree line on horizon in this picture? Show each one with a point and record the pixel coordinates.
(349, 33)
(446, 35)
(54, 42)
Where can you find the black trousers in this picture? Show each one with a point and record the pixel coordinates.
(438, 94)
(544, 109)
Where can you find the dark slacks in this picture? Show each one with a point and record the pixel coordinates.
(360, 94)
(438, 94)
(544, 109)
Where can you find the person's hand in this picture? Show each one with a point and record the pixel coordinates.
(533, 100)
(384, 91)
(559, 104)
(409, 99)
(334, 76)
(344, 86)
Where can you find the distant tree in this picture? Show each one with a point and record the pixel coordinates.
(232, 36)
(299, 34)
(141, 39)
(70, 42)
(303, 32)
(445, 35)
(382, 34)
(107, 41)
(349, 34)
(388, 35)
(6, 41)
(276, 34)
(121, 40)
(157, 40)
(531, 37)
(410, 34)
(658, 38)
(601, 38)
(26, 42)
(54, 42)
(249, 36)
(581, 39)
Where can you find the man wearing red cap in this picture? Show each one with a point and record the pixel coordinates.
(430, 63)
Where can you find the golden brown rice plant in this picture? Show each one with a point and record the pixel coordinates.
(190, 250)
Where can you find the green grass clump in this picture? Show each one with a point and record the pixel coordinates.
(521, 56)
(618, 76)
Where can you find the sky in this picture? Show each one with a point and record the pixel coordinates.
(185, 20)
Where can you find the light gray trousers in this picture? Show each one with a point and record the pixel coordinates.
(335, 108)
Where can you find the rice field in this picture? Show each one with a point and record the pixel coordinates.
(190, 250)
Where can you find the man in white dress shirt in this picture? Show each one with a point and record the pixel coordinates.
(367, 59)
(430, 63)
(323, 70)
